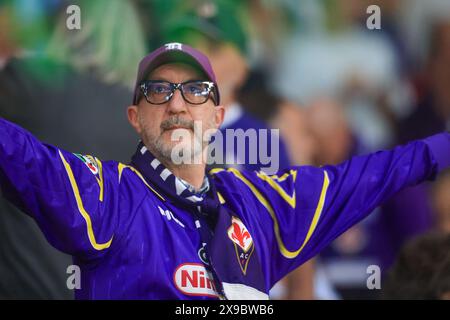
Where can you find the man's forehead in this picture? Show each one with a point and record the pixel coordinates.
(177, 69)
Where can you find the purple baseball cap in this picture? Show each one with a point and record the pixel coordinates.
(175, 52)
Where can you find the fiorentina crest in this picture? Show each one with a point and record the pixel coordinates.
(243, 242)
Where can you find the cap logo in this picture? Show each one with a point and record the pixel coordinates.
(174, 46)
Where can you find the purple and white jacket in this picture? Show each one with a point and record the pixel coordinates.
(131, 241)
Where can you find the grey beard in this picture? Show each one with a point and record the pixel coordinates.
(163, 152)
(154, 143)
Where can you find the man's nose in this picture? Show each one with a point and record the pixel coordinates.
(177, 103)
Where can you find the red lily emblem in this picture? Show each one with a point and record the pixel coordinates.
(238, 234)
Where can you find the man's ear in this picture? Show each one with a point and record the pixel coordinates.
(219, 115)
(132, 113)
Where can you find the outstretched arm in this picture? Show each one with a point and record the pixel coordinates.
(65, 193)
(299, 211)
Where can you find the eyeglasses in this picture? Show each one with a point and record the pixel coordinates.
(193, 92)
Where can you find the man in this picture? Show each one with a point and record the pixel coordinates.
(156, 229)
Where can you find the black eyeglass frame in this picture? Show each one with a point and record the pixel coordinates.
(174, 86)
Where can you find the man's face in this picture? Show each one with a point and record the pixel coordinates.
(156, 124)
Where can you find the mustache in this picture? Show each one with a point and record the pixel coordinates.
(178, 122)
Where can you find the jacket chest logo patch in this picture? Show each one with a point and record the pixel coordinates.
(239, 234)
(243, 242)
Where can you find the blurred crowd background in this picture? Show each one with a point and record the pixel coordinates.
(310, 68)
